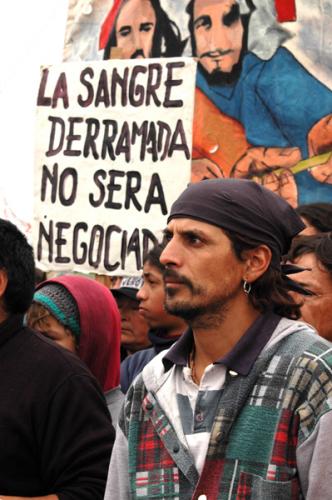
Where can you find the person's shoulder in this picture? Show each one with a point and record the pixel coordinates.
(301, 340)
(51, 357)
(138, 359)
(281, 65)
(252, 68)
(133, 365)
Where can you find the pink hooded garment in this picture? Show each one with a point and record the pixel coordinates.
(100, 327)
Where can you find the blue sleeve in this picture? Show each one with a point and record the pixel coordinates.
(295, 98)
(133, 365)
(125, 374)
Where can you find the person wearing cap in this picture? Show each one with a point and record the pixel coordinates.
(240, 406)
(81, 315)
(56, 433)
(134, 328)
(164, 328)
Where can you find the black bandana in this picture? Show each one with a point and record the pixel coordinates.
(243, 207)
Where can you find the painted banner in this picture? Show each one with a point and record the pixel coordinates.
(263, 99)
(113, 152)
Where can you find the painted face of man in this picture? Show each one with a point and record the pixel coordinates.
(218, 32)
(135, 28)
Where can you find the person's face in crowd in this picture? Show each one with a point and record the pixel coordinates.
(54, 330)
(134, 328)
(316, 309)
(309, 229)
(152, 298)
(135, 28)
(218, 33)
(202, 272)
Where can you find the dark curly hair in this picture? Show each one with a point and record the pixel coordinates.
(17, 260)
(319, 215)
(153, 256)
(319, 244)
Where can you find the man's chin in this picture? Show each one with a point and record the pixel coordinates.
(183, 309)
(218, 76)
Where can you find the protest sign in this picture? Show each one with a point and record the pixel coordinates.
(113, 153)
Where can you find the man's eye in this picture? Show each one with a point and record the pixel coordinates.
(124, 32)
(204, 22)
(232, 16)
(167, 236)
(146, 27)
(193, 239)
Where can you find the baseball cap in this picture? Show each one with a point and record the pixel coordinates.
(129, 287)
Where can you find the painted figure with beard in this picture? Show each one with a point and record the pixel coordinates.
(240, 405)
(135, 29)
(140, 29)
(285, 111)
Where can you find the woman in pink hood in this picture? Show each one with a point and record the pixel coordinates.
(81, 315)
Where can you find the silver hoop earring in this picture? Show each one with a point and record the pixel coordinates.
(246, 287)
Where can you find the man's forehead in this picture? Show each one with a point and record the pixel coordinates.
(206, 5)
(150, 269)
(133, 8)
(184, 224)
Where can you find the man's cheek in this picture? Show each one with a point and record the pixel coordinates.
(311, 313)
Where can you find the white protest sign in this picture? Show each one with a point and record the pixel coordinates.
(113, 153)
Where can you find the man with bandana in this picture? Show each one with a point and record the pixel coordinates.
(240, 406)
(285, 111)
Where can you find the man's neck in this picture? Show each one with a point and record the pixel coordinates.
(174, 332)
(220, 336)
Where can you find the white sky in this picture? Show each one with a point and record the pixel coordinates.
(32, 33)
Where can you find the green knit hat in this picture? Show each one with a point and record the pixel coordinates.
(61, 304)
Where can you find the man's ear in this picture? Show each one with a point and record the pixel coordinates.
(257, 261)
(3, 281)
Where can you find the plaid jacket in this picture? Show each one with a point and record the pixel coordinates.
(266, 440)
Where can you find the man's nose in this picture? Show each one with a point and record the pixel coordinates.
(141, 294)
(138, 40)
(170, 255)
(218, 38)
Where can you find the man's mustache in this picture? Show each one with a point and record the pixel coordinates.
(216, 53)
(177, 278)
(137, 53)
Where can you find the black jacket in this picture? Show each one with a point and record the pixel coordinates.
(56, 435)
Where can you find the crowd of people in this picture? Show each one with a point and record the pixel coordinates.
(208, 376)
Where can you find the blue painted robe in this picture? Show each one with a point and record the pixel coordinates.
(277, 101)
